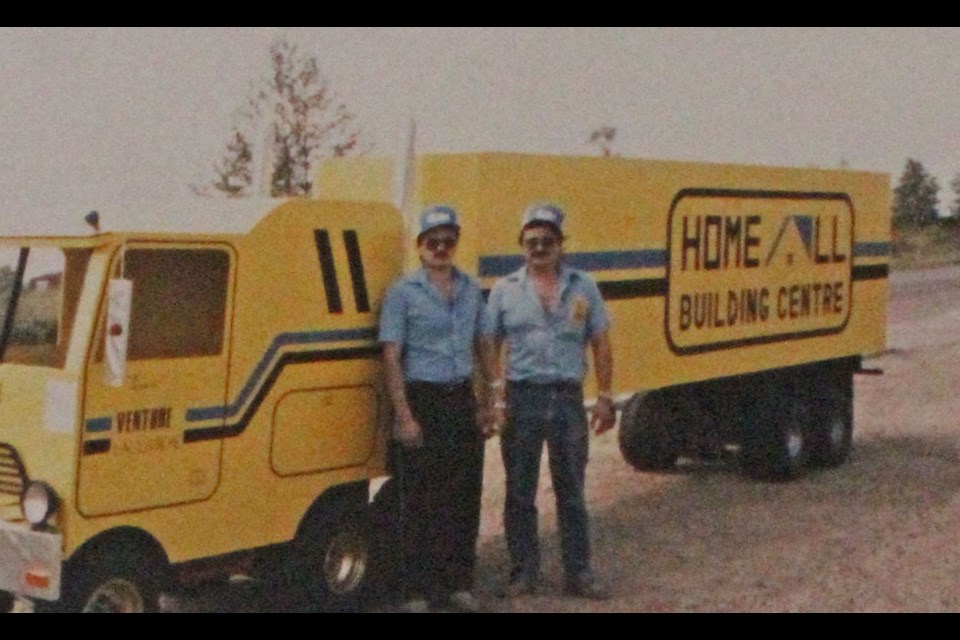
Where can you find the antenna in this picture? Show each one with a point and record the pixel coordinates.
(405, 186)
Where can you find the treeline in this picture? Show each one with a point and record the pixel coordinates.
(916, 199)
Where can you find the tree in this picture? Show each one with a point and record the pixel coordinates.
(604, 138)
(955, 185)
(291, 120)
(915, 199)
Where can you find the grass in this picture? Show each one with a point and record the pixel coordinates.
(936, 245)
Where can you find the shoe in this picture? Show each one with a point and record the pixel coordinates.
(520, 586)
(587, 587)
(416, 605)
(464, 602)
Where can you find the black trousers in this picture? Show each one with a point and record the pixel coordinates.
(440, 487)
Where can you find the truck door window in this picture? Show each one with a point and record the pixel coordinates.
(179, 302)
(39, 291)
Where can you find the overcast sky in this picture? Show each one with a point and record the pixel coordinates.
(94, 114)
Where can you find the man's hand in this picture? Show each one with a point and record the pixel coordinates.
(407, 432)
(486, 423)
(604, 416)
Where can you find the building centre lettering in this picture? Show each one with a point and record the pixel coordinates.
(757, 267)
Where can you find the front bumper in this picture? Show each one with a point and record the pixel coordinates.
(30, 562)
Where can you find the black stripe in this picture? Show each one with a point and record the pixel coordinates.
(12, 304)
(752, 342)
(630, 289)
(759, 195)
(328, 271)
(96, 447)
(356, 271)
(871, 272)
(302, 357)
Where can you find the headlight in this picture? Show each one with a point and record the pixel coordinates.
(38, 502)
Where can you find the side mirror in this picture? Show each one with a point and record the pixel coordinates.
(120, 293)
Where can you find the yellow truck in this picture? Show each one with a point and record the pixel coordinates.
(170, 402)
(178, 406)
(743, 297)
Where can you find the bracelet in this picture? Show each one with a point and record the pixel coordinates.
(496, 384)
(500, 405)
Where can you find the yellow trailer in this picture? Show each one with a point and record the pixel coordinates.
(743, 297)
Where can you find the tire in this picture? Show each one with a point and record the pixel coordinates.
(122, 581)
(648, 430)
(775, 443)
(6, 602)
(831, 424)
(331, 559)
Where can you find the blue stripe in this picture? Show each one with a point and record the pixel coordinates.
(99, 425)
(872, 250)
(499, 266)
(284, 340)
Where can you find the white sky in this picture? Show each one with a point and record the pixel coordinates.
(99, 114)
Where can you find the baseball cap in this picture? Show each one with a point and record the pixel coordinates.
(543, 213)
(438, 216)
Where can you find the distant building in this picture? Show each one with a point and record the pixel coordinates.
(49, 282)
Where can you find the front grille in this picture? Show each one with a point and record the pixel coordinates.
(13, 475)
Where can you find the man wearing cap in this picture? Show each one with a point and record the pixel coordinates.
(429, 329)
(545, 315)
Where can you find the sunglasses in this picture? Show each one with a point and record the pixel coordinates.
(533, 244)
(438, 244)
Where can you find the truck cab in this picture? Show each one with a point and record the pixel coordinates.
(177, 404)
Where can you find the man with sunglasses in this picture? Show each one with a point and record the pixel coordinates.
(429, 329)
(545, 315)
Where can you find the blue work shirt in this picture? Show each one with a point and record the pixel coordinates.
(545, 347)
(436, 337)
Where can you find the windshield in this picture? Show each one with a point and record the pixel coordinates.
(39, 291)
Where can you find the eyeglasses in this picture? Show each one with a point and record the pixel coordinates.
(437, 244)
(546, 243)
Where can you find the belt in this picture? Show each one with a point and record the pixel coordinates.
(440, 387)
(561, 385)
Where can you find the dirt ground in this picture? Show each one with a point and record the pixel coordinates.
(876, 535)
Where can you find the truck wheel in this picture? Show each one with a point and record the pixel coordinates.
(330, 567)
(6, 602)
(119, 582)
(831, 427)
(647, 436)
(775, 445)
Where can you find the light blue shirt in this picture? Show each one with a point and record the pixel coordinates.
(546, 347)
(437, 337)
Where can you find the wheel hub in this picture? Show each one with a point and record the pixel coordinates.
(117, 595)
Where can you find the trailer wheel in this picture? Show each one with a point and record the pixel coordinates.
(775, 445)
(831, 426)
(330, 563)
(648, 438)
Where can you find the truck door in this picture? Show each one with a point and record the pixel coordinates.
(134, 453)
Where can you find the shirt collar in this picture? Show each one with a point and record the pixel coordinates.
(420, 278)
(567, 275)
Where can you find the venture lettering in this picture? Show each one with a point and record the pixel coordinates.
(143, 420)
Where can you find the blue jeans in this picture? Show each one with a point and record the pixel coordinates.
(553, 414)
